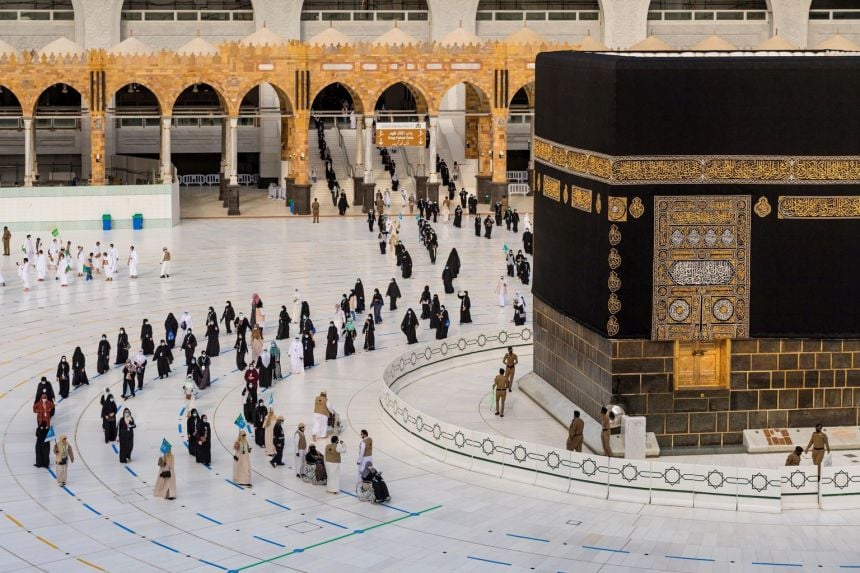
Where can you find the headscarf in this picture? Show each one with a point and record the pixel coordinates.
(241, 444)
(265, 358)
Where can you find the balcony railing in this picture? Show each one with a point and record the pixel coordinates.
(708, 15)
(537, 15)
(188, 15)
(834, 15)
(37, 15)
(365, 15)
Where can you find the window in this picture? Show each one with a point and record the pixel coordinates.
(361, 5)
(708, 5)
(564, 5)
(702, 364)
(187, 5)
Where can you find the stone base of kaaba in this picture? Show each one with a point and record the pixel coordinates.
(772, 383)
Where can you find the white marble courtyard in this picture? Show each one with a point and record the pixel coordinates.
(440, 518)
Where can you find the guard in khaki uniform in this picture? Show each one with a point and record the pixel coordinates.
(500, 385)
(604, 432)
(574, 433)
(7, 236)
(322, 411)
(819, 444)
(793, 458)
(511, 362)
(315, 210)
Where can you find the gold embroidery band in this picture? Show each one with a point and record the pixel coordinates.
(798, 207)
(581, 199)
(670, 169)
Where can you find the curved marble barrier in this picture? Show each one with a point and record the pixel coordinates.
(640, 481)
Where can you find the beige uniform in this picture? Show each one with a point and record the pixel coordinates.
(7, 236)
(574, 435)
(365, 454)
(301, 445)
(500, 383)
(819, 444)
(792, 459)
(604, 435)
(321, 414)
(511, 362)
(332, 466)
(62, 462)
(315, 210)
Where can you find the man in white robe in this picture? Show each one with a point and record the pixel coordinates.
(300, 444)
(113, 261)
(132, 263)
(322, 410)
(333, 453)
(97, 257)
(365, 452)
(297, 356)
(297, 305)
(53, 254)
(24, 274)
(41, 266)
(186, 321)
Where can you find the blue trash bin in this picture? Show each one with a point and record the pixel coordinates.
(106, 222)
(292, 207)
(137, 221)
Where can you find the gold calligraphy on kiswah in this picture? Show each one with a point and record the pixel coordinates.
(676, 169)
(551, 188)
(806, 207)
(581, 199)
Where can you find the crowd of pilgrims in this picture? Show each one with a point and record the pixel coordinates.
(57, 261)
(261, 363)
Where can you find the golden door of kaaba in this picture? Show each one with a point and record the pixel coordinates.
(702, 364)
(701, 267)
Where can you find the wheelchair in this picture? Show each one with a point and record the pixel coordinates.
(310, 475)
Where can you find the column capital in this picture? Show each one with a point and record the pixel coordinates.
(368, 121)
(166, 122)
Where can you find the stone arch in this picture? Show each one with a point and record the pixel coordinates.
(357, 102)
(286, 104)
(122, 84)
(529, 88)
(473, 92)
(419, 92)
(36, 93)
(7, 96)
(218, 88)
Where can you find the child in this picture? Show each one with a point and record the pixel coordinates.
(88, 268)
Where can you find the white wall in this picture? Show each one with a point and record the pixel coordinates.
(82, 207)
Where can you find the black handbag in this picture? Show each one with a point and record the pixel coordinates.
(165, 474)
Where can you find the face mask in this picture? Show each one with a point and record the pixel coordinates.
(205, 420)
(127, 415)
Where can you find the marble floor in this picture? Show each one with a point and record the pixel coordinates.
(440, 518)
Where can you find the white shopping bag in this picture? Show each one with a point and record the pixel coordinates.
(828, 461)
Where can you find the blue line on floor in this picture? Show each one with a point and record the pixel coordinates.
(332, 523)
(50, 471)
(268, 541)
(182, 411)
(349, 493)
(604, 549)
(231, 482)
(179, 428)
(115, 450)
(186, 444)
(395, 508)
(849, 566)
(278, 504)
(488, 561)
(213, 564)
(91, 508)
(207, 518)
(121, 526)
(690, 558)
(169, 548)
(527, 537)
(235, 370)
(769, 564)
(68, 491)
(131, 471)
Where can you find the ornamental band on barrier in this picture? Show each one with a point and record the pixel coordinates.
(701, 272)
(796, 207)
(669, 169)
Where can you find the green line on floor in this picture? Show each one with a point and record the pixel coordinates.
(333, 539)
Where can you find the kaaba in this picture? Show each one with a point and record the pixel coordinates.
(697, 238)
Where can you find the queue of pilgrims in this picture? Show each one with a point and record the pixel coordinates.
(57, 262)
(260, 363)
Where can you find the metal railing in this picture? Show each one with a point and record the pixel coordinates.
(518, 189)
(37, 15)
(350, 169)
(537, 15)
(213, 179)
(518, 176)
(834, 15)
(708, 15)
(188, 15)
(365, 15)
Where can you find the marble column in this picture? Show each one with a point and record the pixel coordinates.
(434, 131)
(233, 136)
(166, 166)
(29, 152)
(97, 148)
(368, 150)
